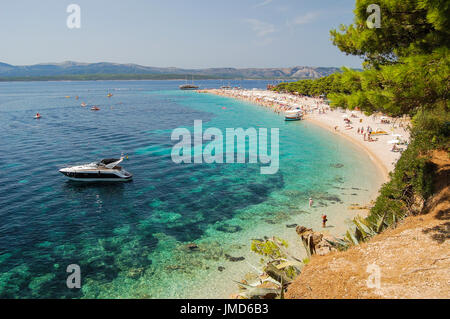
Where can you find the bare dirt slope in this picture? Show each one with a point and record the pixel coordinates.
(414, 258)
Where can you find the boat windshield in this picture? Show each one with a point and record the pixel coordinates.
(108, 161)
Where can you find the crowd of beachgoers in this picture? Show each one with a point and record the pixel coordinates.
(278, 102)
(383, 137)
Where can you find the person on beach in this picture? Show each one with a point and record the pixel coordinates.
(324, 221)
(311, 202)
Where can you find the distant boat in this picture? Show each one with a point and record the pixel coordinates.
(94, 108)
(293, 115)
(109, 95)
(83, 104)
(187, 86)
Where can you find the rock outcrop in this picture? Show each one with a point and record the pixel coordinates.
(315, 243)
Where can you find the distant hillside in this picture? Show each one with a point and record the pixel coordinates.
(57, 70)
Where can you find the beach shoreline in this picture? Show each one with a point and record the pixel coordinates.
(381, 165)
(320, 114)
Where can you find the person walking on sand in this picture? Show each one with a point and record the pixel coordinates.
(311, 202)
(324, 221)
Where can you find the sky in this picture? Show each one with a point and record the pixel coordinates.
(176, 33)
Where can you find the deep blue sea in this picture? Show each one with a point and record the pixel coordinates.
(130, 239)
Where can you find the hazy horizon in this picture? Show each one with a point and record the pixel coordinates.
(173, 66)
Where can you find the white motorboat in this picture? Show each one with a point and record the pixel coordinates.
(293, 115)
(107, 170)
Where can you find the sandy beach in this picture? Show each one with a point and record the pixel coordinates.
(318, 112)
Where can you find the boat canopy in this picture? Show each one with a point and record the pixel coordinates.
(111, 162)
(293, 111)
(107, 161)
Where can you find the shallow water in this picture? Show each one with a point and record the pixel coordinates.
(129, 239)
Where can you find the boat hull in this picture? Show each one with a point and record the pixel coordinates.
(91, 180)
(293, 119)
(97, 176)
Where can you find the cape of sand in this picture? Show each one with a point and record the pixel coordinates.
(318, 112)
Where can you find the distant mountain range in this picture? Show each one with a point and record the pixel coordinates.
(111, 70)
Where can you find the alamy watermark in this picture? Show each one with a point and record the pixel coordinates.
(190, 147)
(74, 279)
(374, 279)
(74, 19)
(374, 19)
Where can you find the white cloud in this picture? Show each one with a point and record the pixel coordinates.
(264, 3)
(260, 27)
(305, 19)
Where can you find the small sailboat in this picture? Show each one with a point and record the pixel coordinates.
(37, 116)
(188, 86)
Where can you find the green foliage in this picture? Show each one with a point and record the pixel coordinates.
(431, 129)
(291, 272)
(268, 248)
(407, 72)
(407, 27)
(407, 60)
(418, 82)
(411, 180)
(317, 87)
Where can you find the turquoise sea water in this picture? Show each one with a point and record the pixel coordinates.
(130, 239)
